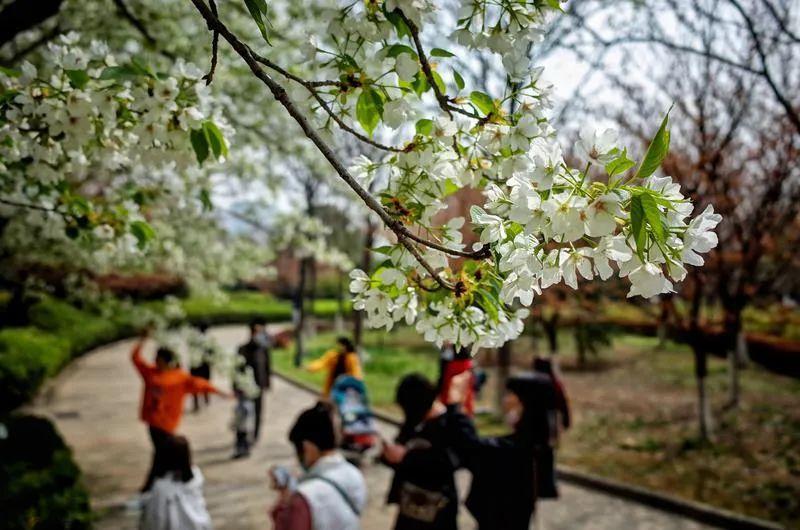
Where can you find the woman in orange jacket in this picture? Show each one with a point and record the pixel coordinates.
(165, 386)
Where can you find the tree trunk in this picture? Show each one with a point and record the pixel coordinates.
(736, 353)
(705, 420)
(301, 315)
(366, 265)
(503, 371)
(665, 302)
(311, 320)
(550, 326)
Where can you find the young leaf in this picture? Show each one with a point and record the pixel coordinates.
(424, 127)
(438, 52)
(420, 84)
(620, 164)
(439, 82)
(653, 216)
(656, 151)
(258, 10)
(397, 21)
(215, 139)
(396, 49)
(199, 144)
(482, 101)
(459, 80)
(369, 109)
(77, 78)
(10, 72)
(118, 72)
(638, 230)
(143, 232)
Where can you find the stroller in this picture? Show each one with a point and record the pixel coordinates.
(349, 395)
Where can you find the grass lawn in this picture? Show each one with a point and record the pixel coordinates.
(634, 418)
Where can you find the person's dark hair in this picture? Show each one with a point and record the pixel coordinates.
(347, 343)
(202, 327)
(542, 365)
(254, 323)
(316, 426)
(178, 459)
(536, 393)
(415, 395)
(167, 356)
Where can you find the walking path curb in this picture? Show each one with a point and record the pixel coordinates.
(696, 511)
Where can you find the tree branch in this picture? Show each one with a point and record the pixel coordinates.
(279, 93)
(20, 15)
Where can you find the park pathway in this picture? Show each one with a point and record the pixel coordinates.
(94, 403)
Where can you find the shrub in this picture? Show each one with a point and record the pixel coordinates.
(27, 357)
(40, 484)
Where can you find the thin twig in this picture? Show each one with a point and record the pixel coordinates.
(311, 87)
(214, 47)
(442, 99)
(140, 27)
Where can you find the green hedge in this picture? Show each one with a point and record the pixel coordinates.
(58, 332)
(40, 484)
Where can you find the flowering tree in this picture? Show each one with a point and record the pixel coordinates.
(543, 222)
(369, 71)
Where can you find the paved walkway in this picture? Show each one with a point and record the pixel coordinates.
(94, 403)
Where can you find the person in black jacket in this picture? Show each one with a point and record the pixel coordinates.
(504, 469)
(256, 355)
(423, 485)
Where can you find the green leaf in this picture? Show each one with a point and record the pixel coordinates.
(656, 151)
(644, 213)
(215, 139)
(77, 78)
(143, 232)
(424, 127)
(119, 72)
(459, 80)
(482, 101)
(258, 10)
(620, 164)
(638, 230)
(450, 187)
(396, 49)
(397, 21)
(205, 200)
(420, 84)
(199, 144)
(438, 52)
(10, 72)
(555, 4)
(369, 109)
(439, 82)
(653, 216)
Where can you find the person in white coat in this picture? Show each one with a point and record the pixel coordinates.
(332, 493)
(176, 501)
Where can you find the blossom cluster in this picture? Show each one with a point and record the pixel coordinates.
(75, 132)
(543, 222)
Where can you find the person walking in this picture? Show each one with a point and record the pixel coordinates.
(255, 356)
(165, 386)
(423, 485)
(202, 369)
(341, 360)
(505, 483)
(176, 501)
(332, 493)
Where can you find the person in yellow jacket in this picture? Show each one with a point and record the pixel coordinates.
(338, 361)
